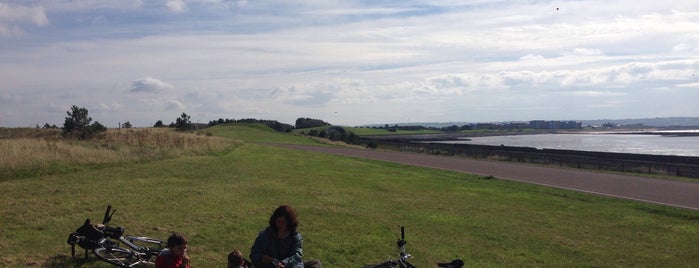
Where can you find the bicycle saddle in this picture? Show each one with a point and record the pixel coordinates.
(457, 263)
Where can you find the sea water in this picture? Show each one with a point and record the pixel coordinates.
(600, 142)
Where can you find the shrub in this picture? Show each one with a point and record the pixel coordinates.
(77, 124)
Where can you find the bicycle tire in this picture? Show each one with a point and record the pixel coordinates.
(406, 264)
(118, 256)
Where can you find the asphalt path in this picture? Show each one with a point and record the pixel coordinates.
(674, 193)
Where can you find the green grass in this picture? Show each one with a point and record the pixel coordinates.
(253, 132)
(350, 211)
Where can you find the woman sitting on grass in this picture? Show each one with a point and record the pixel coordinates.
(280, 245)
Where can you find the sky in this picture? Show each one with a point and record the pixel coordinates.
(347, 62)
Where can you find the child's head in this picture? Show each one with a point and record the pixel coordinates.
(177, 243)
(235, 259)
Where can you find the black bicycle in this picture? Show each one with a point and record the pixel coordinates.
(403, 256)
(105, 242)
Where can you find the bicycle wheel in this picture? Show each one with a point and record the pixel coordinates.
(118, 256)
(151, 247)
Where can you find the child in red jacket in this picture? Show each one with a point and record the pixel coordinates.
(175, 255)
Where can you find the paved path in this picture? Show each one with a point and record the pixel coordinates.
(666, 192)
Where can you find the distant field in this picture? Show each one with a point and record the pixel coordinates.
(375, 131)
(350, 211)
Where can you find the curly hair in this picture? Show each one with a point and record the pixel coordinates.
(176, 239)
(289, 214)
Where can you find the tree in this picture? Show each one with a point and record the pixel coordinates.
(372, 144)
(183, 123)
(94, 129)
(352, 138)
(126, 125)
(336, 133)
(159, 124)
(309, 123)
(77, 120)
(77, 124)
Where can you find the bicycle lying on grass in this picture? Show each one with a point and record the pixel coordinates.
(105, 242)
(402, 261)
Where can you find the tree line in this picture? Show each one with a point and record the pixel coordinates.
(452, 128)
(78, 124)
(273, 124)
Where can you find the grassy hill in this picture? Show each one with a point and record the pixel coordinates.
(350, 211)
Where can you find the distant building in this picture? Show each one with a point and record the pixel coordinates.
(537, 124)
(609, 125)
(571, 125)
(516, 125)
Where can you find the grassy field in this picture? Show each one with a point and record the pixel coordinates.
(350, 212)
(33, 152)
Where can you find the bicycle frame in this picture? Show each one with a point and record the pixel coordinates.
(117, 233)
(106, 241)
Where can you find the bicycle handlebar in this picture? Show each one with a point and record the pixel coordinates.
(401, 242)
(107, 215)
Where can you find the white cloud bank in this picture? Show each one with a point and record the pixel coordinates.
(353, 63)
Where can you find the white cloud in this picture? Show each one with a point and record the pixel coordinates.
(88, 5)
(10, 30)
(111, 107)
(690, 85)
(586, 52)
(174, 105)
(34, 15)
(417, 59)
(531, 57)
(176, 6)
(592, 93)
(149, 84)
(13, 16)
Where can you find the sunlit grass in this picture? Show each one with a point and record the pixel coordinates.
(350, 211)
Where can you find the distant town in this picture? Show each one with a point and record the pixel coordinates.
(665, 122)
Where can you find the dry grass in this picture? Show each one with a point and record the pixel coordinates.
(46, 152)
